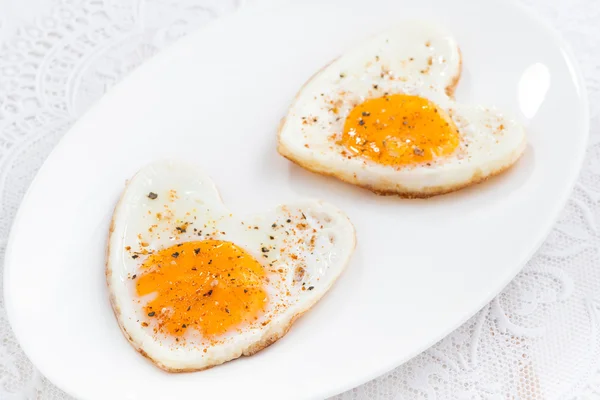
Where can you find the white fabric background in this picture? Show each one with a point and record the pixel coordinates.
(539, 339)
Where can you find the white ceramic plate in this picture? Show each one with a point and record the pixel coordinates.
(215, 98)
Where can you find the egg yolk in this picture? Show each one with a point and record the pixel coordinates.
(399, 130)
(210, 285)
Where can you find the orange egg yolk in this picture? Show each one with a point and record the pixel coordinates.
(399, 130)
(210, 285)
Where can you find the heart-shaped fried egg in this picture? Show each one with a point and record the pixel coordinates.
(382, 116)
(194, 286)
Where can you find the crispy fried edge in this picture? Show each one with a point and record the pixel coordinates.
(392, 189)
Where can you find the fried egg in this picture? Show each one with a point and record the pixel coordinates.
(193, 286)
(382, 116)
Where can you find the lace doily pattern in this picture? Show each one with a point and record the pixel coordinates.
(539, 339)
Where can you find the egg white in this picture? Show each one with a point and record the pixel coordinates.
(414, 58)
(196, 199)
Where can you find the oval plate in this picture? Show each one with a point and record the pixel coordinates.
(215, 98)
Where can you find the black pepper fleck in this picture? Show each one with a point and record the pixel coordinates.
(152, 196)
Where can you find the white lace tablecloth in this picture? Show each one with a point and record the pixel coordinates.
(539, 339)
